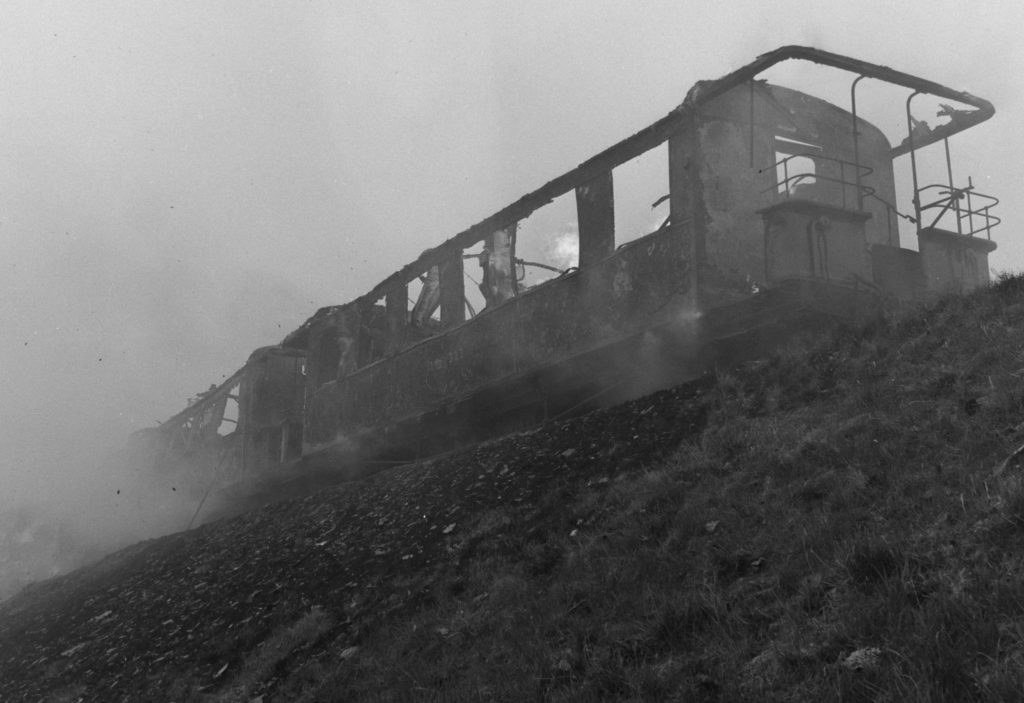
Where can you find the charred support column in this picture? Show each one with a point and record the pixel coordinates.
(687, 208)
(497, 262)
(352, 341)
(453, 292)
(396, 311)
(595, 211)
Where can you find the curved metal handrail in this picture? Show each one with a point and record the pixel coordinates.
(791, 181)
(961, 202)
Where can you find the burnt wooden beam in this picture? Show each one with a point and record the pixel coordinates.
(201, 405)
(676, 121)
(686, 207)
(651, 136)
(595, 213)
(396, 312)
(453, 291)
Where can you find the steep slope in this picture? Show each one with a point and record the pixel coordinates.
(34, 546)
(180, 608)
(841, 521)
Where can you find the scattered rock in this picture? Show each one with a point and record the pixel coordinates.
(73, 650)
(241, 580)
(761, 671)
(864, 659)
(1012, 461)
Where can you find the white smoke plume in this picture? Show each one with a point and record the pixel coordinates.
(563, 250)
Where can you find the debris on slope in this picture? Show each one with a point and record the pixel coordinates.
(847, 526)
(190, 606)
(837, 522)
(36, 546)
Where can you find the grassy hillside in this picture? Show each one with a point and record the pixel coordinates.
(841, 521)
(848, 526)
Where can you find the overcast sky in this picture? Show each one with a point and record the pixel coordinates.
(182, 182)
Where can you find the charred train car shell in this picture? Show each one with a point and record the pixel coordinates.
(245, 428)
(782, 214)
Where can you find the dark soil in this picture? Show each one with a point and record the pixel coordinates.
(191, 606)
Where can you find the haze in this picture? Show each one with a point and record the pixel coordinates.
(181, 183)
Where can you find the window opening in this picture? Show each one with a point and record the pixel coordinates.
(641, 185)
(229, 420)
(547, 242)
(472, 271)
(795, 165)
(426, 305)
(373, 333)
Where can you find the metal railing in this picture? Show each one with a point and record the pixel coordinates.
(969, 210)
(960, 204)
(892, 225)
(850, 177)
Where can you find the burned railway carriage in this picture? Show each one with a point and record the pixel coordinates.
(782, 213)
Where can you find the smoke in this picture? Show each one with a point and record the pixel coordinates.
(108, 360)
(563, 249)
(165, 170)
(96, 507)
